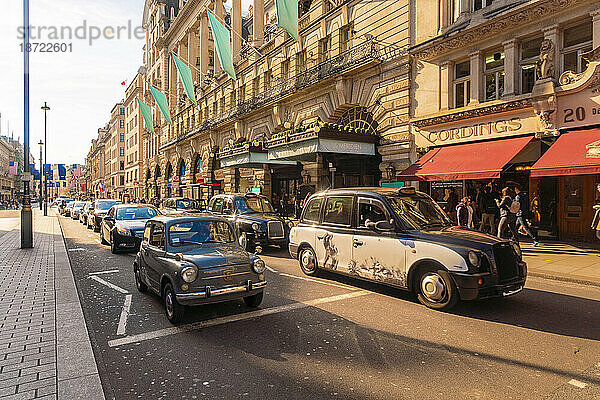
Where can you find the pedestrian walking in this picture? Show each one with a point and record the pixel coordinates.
(508, 209)
(451, 204)
(523, 214)
(462, 213)
(488, 209)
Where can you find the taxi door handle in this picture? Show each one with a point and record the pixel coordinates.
(357, 243)
(320, 237)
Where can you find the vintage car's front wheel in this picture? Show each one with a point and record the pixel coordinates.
(437, 290)
(308, 261)
(254, 301)
(173, 309)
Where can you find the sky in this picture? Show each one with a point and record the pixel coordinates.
(80, 86)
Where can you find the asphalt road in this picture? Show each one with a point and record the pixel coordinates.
(332, 337)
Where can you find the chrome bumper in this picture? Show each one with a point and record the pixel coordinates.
(209, 292)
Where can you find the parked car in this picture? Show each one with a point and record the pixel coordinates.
(76, 210)
(403, 238)
(195, 260)
(123, 226)
(84, 212)
(69, 208)
(178, 205)
(101, 207)
(254, 217)
(62, 205)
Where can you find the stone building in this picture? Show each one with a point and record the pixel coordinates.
(334, 104)
(501, 89)
(114, 153)
(6, 179)
(96, 164)
(134, 129)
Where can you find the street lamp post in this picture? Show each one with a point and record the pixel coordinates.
(41, 169)
(26, 215)
(46, 108)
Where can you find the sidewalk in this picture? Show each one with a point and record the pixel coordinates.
(562, 261)
(42, 320)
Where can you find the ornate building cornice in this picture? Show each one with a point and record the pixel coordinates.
(473, 113)
(519, 17)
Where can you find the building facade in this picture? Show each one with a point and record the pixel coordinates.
(499, 88)
(329, 110)
(6, 179)
(134, 128)
(114, 153)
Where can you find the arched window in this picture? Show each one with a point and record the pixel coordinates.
(358, 117)
(169, 173)
(182, 170)
(198, 166)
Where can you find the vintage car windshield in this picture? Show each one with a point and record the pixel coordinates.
(105, 205)
(187, 205)
(418, 211)
(131, 213)
(78, 204)
(247, 205)
(200, 232)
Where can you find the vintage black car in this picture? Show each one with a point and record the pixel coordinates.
(178, 205)
(253, 215)
(195, 260)
(402, 238)
(123, 226)
(101, 207)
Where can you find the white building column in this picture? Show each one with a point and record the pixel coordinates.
(258, 22)
(511, 67)
(552, 33)
(476, 77)
(445, 82)
(464, 6)
(596, 28)
(236, 25)
(219, 12)
(203, 20)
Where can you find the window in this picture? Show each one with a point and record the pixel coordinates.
(576, 41)
(157, 237)
(345, 38)
(338, 210)
(121, 180)
(479, 4)
(122, 111)
(370, 210)
(211, 58)
(301, 61)
(313, 209)
(324, 47)
(285, 70)
(121, 151)
(267, 79)
(122, 137)
(194, 232)
(242, 93)
(216, 205)
(462, 84)
(530, 53)
(256, 86)
(494, 75)
(122, 165)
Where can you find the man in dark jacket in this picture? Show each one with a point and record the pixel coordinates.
(462, 213)
(488, 208)
(523, 213)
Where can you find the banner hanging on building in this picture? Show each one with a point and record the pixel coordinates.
(147, 114)
(287, 16)
(76, 170)
(161, 101)
(12, 167)
(185, 73)
(36, 174)
(62, 172)
(222, 39)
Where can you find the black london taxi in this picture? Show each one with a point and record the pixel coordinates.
(123, 226)
(195, 260)
(255, 218)
(403, 238)
(179, 205)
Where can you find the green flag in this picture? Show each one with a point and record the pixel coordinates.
(185, 73)
(161, 100)
(147, 114)
(222, 40)
(287, 16)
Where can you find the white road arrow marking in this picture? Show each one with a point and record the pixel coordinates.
(124, 315)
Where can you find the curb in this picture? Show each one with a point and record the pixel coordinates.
(77, 372)
(563, 279)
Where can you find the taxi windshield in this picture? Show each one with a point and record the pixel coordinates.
(187, 205)
(247, 205)
(418, 211)
(200, 232)
(131, 213)
(105, 205)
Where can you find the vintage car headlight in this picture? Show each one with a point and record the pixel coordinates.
(258, 266)
(474, 258)
(124, 232)
(517, 249)
(189, 273)
(256, 226)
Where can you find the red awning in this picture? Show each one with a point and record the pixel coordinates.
(573, 153)
(478, 160)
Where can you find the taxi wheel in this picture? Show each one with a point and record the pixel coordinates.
(437, 290)
(102, 240)
(308, 261)
(141, 286)
(173, 309)
(254, 301)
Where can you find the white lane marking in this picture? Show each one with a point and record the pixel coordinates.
(271, 269)
(77, 249)
(576, 383)
(110, 285)
(316, 281)
(231, 318)
(110, 271)
(124, 315)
